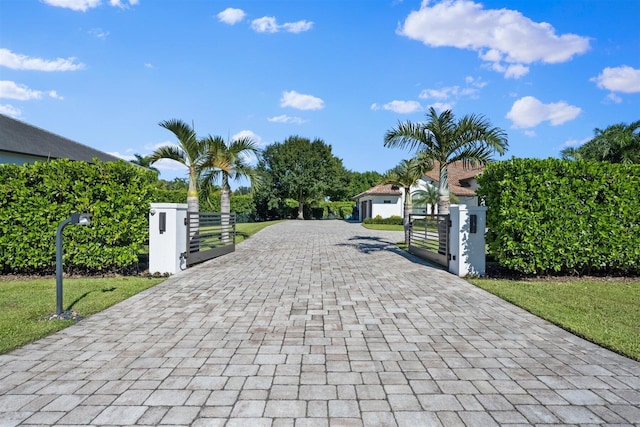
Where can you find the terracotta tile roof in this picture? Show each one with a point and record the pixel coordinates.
(381, 190)
(459, 178)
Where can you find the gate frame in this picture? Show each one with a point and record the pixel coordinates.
(440, 257)
(227, 230)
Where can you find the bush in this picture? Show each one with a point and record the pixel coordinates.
(336, 209)
(560, 216)
(392, 220)
(35, 198)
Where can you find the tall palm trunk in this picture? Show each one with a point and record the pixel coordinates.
(225, 208)
(193, 207)
(443, 209)
(407, 213)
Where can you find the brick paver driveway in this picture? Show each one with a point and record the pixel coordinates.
(316, 324)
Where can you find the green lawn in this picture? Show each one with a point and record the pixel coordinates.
(602, 311)
(24, 302)
(384, 227)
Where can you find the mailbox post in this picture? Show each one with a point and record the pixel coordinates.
(75, 219)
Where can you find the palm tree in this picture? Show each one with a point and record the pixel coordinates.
(144, 161)
(229, 161)
(190, 152)
(405, 175)
(619, 143)
(428, 196)
(443, 140)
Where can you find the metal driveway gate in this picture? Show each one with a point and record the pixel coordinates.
(209, 235)
(429, 237)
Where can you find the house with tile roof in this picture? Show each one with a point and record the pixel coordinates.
(388, 200)
(22, 143)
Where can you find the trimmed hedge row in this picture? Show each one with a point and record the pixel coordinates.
(392, 220)
(560, 216)
(35, 198)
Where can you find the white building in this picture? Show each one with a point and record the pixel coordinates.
(388, 200)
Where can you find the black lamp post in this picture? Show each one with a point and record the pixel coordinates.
(75, 219)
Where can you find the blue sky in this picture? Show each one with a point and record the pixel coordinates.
(105, 72)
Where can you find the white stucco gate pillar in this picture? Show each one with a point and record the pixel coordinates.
(466, 240)
(167, 237)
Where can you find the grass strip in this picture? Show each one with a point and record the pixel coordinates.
(602, 311)
(384, 227)
(24, 302)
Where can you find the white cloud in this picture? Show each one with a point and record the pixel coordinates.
(498, 35)
(529, 112)
(441, 106)
(269, 24)
(169, 165)
(12, 90)
(297, 27)
(619, 79)
(123, 4)
(575, 142)
(448, 96)
(399, 107)
(22, 62)
(10, 110)
(248, 134)
(300, 101)
(266, 24)
(77, 5)
(99, 33)
(530, 133)
(286, 119)
(516, 71)
(231, 16)
(612, 97)
(84, 5)
(149, 65)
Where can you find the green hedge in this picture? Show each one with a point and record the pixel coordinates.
(35, 198)
(392, 220)
(336, 209)
(560, 216)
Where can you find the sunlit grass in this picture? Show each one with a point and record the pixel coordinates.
(23, 303)
(602, 311)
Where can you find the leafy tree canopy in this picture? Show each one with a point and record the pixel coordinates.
(300, 169)
(619, 143)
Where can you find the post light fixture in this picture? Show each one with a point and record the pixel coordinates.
(74, 219)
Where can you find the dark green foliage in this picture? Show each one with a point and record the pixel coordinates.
(300, 169)
(392, 220)
(161, 195)
(561, 216)
(359, 182)
(35, 198)
(619, 143)
(333, 210)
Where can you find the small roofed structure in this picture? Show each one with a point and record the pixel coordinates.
(22, 143)
(385, 200)
(462, 181)
(388, 200)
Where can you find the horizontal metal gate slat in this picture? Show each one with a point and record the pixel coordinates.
(209, 235)
(429, 237)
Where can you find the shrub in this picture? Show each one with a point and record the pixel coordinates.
(35, 198)
(562, 216)
(392, 220)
